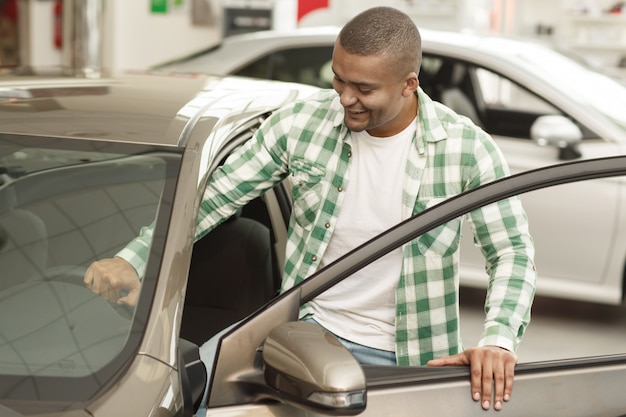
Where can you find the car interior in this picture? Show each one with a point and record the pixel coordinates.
(230, 276)
(234, 271)
(300, 65)
(70, 217)
(23, 247)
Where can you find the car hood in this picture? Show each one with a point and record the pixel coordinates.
(136, 107)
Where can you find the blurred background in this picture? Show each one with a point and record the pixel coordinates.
(96, 37)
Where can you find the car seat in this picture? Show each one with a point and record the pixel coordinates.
(230, 276)
(448, 85)
(23, 247)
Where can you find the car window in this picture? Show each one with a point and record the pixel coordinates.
(63, 205)
(499, 92)
(307, 65)
(452, 82)
(494, 102)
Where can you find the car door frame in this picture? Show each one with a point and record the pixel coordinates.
(540, 388)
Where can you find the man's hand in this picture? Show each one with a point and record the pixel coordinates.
(109, 277)
(488, 365)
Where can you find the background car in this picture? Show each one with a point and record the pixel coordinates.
(540, 106)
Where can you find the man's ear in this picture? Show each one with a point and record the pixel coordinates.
(411, 84)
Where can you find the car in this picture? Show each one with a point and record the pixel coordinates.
(540, 106)
(302, 55)
(86, 164)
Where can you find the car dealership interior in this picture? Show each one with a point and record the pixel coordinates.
(92, 38)
(213, 208)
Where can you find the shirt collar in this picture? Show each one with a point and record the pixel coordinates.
(429, 127)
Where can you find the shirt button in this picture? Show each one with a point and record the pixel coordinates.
(349, 154)
(340, 189)
(314, 258)
(327, 225)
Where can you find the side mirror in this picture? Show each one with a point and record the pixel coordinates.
(559, 131)
(308, 367)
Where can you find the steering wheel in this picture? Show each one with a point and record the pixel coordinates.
(74, 274)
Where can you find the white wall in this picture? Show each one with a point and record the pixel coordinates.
(132, 37)
(136, 38)
(39, 51)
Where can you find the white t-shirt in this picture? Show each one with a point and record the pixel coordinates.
(362, 307)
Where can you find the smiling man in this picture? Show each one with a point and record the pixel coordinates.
(361, 158)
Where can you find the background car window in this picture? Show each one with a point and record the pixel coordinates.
(450, 82)
(496, 103)
(307, 65)
(501, 93)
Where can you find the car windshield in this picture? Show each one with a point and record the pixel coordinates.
(598, 91)
(64, 204)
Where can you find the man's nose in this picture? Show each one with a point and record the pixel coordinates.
(347, 97)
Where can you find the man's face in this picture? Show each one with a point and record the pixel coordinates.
(374, 97)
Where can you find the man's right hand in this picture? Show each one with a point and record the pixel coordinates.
(115, 280)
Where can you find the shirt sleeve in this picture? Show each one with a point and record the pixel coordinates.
(502, 231)
(509, 253)
(136, 252)
(247, 173)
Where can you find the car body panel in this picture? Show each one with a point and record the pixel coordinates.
(120, 115)
(531, 394)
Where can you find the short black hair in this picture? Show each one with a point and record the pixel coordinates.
(384, 31)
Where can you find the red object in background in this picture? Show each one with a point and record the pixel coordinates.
(307, 6)
(58, 23)
(9, 10)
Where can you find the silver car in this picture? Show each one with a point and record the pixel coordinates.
(85, 164)
(541, 107)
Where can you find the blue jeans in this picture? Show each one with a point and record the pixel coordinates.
(364, 355)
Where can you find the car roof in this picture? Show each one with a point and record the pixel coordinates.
(136, 107)
(237, 50)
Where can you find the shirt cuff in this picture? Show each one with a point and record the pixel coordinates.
(499, 335)
(132, 254)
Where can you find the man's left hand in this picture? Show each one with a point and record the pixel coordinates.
(491, 368)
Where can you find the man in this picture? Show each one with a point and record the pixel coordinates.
(361, 159)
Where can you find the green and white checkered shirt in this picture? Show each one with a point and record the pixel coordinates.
(308, 142)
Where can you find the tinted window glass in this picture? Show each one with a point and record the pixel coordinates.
(303, 65)
(63, 205)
